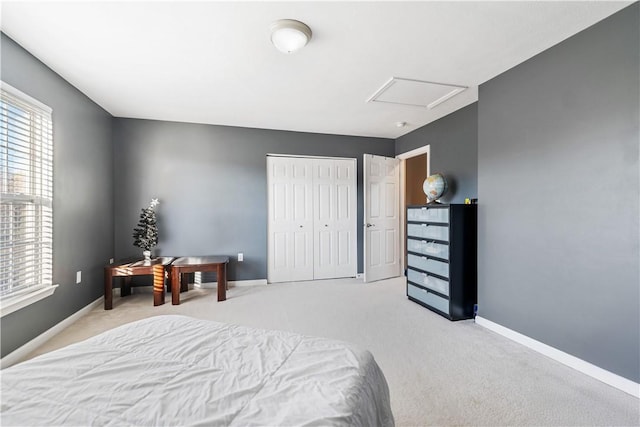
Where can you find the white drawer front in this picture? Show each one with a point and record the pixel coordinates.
(428, 298)
(428, 214)
(428, 248)
(428, 231)
(427, 281)
(431, 265)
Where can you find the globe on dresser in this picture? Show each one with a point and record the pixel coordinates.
(435, 186)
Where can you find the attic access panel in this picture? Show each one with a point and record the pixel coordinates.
(415, 93)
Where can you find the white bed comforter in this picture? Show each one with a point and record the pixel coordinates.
(176, 370)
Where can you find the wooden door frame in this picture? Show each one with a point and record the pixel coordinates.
(425, 149)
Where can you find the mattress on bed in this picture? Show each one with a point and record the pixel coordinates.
(176, 370)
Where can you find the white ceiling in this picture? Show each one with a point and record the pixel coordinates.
(212, 62)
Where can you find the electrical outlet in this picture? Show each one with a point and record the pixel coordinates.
(78, 276)
(240, 257)
(110, 260)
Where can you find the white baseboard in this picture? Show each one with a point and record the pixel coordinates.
(583, 366)
(23, 351)
(232, 283)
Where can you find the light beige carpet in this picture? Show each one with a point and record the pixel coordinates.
(439, 372)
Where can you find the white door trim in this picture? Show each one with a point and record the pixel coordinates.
(403, 188)
(298, 156)
(420, 150)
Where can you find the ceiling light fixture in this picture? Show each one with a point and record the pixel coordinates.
(289, 35)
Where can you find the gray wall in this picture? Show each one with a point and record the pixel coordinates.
(211, 182)
(454, 151)
(83, 195)
(558, 180)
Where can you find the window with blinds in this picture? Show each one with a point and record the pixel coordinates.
(26, 194)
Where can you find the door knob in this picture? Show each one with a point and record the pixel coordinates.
(369, 225)
(326, 225)
(301, 226)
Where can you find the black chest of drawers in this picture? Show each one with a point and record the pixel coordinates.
(442, 258)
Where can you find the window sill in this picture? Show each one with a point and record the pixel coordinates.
(21, 301)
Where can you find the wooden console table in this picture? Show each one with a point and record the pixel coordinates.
(194, 264)
(126, 269)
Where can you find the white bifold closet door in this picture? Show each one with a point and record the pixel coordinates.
(334, 224)
(312, 218)
(290, 226)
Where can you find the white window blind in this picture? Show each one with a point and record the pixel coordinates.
(26, 194)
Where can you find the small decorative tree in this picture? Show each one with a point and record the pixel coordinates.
(145, 235)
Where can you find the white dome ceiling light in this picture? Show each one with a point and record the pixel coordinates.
(289, 35)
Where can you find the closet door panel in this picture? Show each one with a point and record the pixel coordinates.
(345, 218)
(280, 250)
(324, 218)
(290, 224)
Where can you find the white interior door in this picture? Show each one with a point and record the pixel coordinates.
(290, 224)
(381, 217)
(334, 185)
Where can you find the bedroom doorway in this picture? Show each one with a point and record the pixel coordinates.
(416, 173)
(415, 166)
